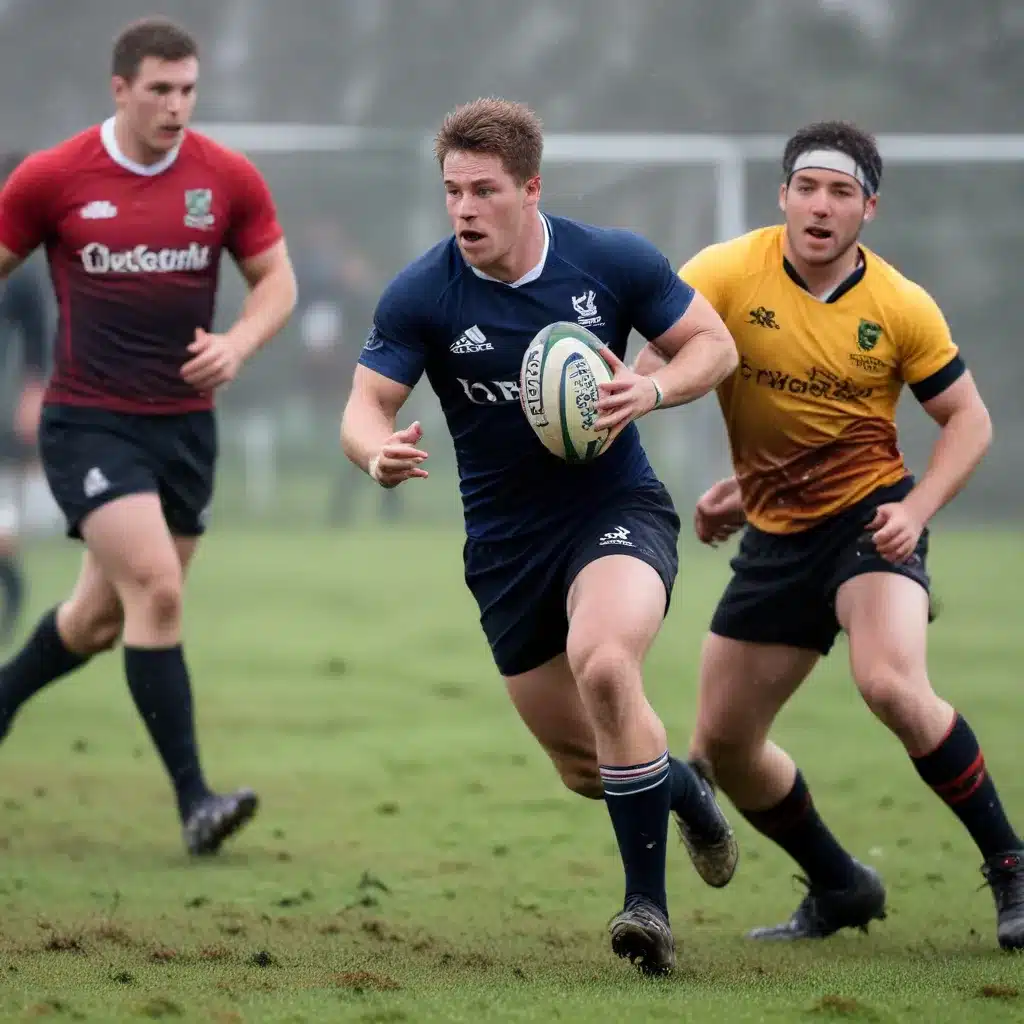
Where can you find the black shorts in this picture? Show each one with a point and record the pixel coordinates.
(521, 584)
(92, 456)
(784, 585)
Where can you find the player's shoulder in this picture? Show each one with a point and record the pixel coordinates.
(421, 285)
(54, 162)
(200, 148)
(580, 242)
(897, 293)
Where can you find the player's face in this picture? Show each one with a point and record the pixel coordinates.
(825, 211)
(157, 104)
(488, 208)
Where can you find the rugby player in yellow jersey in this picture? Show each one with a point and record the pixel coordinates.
(836, 534)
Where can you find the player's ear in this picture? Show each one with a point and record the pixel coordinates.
(532, 189)
(118, 87)
(782, 197)
(869, 208)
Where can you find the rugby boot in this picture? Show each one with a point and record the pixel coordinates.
(641, 935)
(217, 817)
(1005, 875)
(713, 851)
(822, 912)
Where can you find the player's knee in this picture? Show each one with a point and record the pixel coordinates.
(729, 750)
(894, 697)
(158, 593)
(582, 778)
(607, 674)
(91, 629)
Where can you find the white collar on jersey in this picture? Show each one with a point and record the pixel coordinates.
(534, 272)
(109, 140)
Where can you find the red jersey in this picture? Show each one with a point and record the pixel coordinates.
(134, 253)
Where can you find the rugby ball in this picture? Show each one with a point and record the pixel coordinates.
(558, 391)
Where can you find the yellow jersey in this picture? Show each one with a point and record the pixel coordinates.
(810, 411)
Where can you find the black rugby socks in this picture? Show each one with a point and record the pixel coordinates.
(956, 772)
(639, 801)
(159, 683)
(796, 826)
(42, 660)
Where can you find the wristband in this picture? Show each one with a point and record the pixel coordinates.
(659, 397)
(372, 468)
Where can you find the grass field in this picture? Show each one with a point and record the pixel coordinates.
(415, 858)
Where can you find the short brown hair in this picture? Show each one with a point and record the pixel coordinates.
(150, 37)
(502, 128)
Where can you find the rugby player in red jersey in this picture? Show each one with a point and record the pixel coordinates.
(134, 215)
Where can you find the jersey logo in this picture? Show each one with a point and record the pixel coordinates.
(99, 259)
(762, 317)
(470, 341)
(98, 209)
(868, 333)
(373, 341)
(198, 203)
(490, 392)
(586, 310)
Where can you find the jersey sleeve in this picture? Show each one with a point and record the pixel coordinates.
(397, 344)
(254, 225)
(26, 205)
(706, 273)
(657, 296)
(929, 358)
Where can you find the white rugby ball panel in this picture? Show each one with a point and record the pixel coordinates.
(559, 381)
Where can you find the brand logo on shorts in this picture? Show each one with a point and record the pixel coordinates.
(198, 204)
(95, 482)
(620, 536)
(99, 259)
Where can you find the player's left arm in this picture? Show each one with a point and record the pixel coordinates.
(256, 241)
(933, 367)
(684, 329)
(271, 299)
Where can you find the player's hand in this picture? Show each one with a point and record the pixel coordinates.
(626, 397)
(215, 361)
(896, 532)
(719, 513)
(399, 459)
(28, 412)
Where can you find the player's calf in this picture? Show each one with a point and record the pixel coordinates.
(65, 638)
(886, 617)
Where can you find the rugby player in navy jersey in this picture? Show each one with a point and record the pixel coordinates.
(134, 215)
(572, 566)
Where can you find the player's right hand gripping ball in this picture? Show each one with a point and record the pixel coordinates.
(558, 389)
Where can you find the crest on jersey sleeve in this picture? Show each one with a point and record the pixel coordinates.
(868, 333)
(198, 207)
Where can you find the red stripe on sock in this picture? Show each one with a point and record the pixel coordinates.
(948, 788)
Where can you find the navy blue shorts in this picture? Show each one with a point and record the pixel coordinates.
(521, 584)
(784, 586)
(92, 456)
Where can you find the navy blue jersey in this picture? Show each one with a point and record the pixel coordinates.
(469, 332)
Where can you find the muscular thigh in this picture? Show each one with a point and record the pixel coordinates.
(94, 591)
(743, 686)
(549, 704)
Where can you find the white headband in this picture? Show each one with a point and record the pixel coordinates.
(833, 160)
